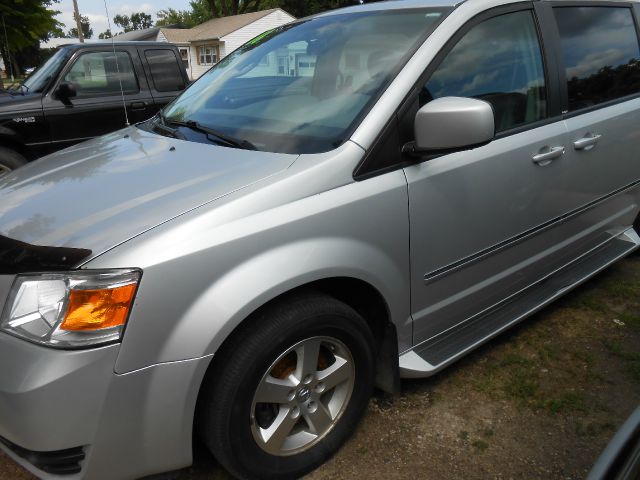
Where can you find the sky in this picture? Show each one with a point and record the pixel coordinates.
(94, 9)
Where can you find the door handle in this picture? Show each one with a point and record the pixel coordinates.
(545, 158)
(137, 106)
(587, 143)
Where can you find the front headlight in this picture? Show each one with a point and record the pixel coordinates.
(70, 310)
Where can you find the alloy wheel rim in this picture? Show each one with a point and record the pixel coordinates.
(302, 396)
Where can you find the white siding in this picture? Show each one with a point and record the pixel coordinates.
(246, 33)
(232, 41)
(190, 58)
(196, 69)
(161, 37)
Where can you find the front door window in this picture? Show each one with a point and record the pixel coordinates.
(500, 61)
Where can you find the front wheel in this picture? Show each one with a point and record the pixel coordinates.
(288, 389)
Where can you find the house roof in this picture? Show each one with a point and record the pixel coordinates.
(177, 35)
(215, 28)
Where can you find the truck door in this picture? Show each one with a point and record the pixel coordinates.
(98, 108)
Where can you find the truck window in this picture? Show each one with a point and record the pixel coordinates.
(601, 54)
(165, 70)
(499, 61)
(102, 73)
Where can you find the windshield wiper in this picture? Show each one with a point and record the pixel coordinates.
(220, 137)
(163, 127)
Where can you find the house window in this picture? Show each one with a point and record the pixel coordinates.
(184, 56)
(207, 55)
(283, 65)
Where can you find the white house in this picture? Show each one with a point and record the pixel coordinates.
(203, 46)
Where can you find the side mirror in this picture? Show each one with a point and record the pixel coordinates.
(453, 123)
(66, 90)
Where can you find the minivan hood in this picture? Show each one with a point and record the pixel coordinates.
(100, 193)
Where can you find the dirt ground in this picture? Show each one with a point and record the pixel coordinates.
(539, 402)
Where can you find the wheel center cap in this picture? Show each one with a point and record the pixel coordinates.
(304, 393)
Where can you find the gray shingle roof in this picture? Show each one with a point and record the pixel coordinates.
(215, 28)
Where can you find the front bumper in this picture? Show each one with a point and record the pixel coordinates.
(128, 425)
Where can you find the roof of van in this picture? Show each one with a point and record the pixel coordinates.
(400, 4)
(394, 4)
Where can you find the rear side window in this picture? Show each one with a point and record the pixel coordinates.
(601, 54)
(499, 61)
(165, 70)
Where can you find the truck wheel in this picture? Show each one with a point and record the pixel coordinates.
(10, 160)
(288, 389)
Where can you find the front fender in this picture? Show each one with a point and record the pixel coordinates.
(235, 296)
(204, 275)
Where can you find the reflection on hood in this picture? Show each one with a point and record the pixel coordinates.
(92, 197)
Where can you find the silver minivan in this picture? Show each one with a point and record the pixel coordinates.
(351, 199)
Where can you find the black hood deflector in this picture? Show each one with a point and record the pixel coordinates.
(20, 257)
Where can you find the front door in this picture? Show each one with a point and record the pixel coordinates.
(98, 108)
(480, 218)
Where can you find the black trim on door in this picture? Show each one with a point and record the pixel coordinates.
(551, 37)
(582, 3)
(405, 113)
(510, 242)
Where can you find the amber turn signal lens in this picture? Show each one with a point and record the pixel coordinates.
(98, 309)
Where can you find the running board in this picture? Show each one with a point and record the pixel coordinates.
(440, 351)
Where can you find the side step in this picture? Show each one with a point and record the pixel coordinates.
(438, 352)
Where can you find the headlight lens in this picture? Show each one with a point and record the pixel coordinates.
(70, 310)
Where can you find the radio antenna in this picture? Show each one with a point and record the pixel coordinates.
(113, 46)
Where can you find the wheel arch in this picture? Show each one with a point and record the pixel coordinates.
(365, 299)
(11, 143)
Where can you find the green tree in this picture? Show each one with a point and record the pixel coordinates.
(203, 10)
(27, 22)
(87, 31)
(170, 16)
(199, 13)
(105, 34)
(302, 9)
(135, 21)
(298, 8)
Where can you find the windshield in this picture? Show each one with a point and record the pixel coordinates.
(303, 87)
(39, 79)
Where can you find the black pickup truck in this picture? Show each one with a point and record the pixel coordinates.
(79, 94)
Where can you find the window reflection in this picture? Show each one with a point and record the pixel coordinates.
(499, 61)
(601, 53)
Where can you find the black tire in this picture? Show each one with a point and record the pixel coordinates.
(10, 160)
(226, 403)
